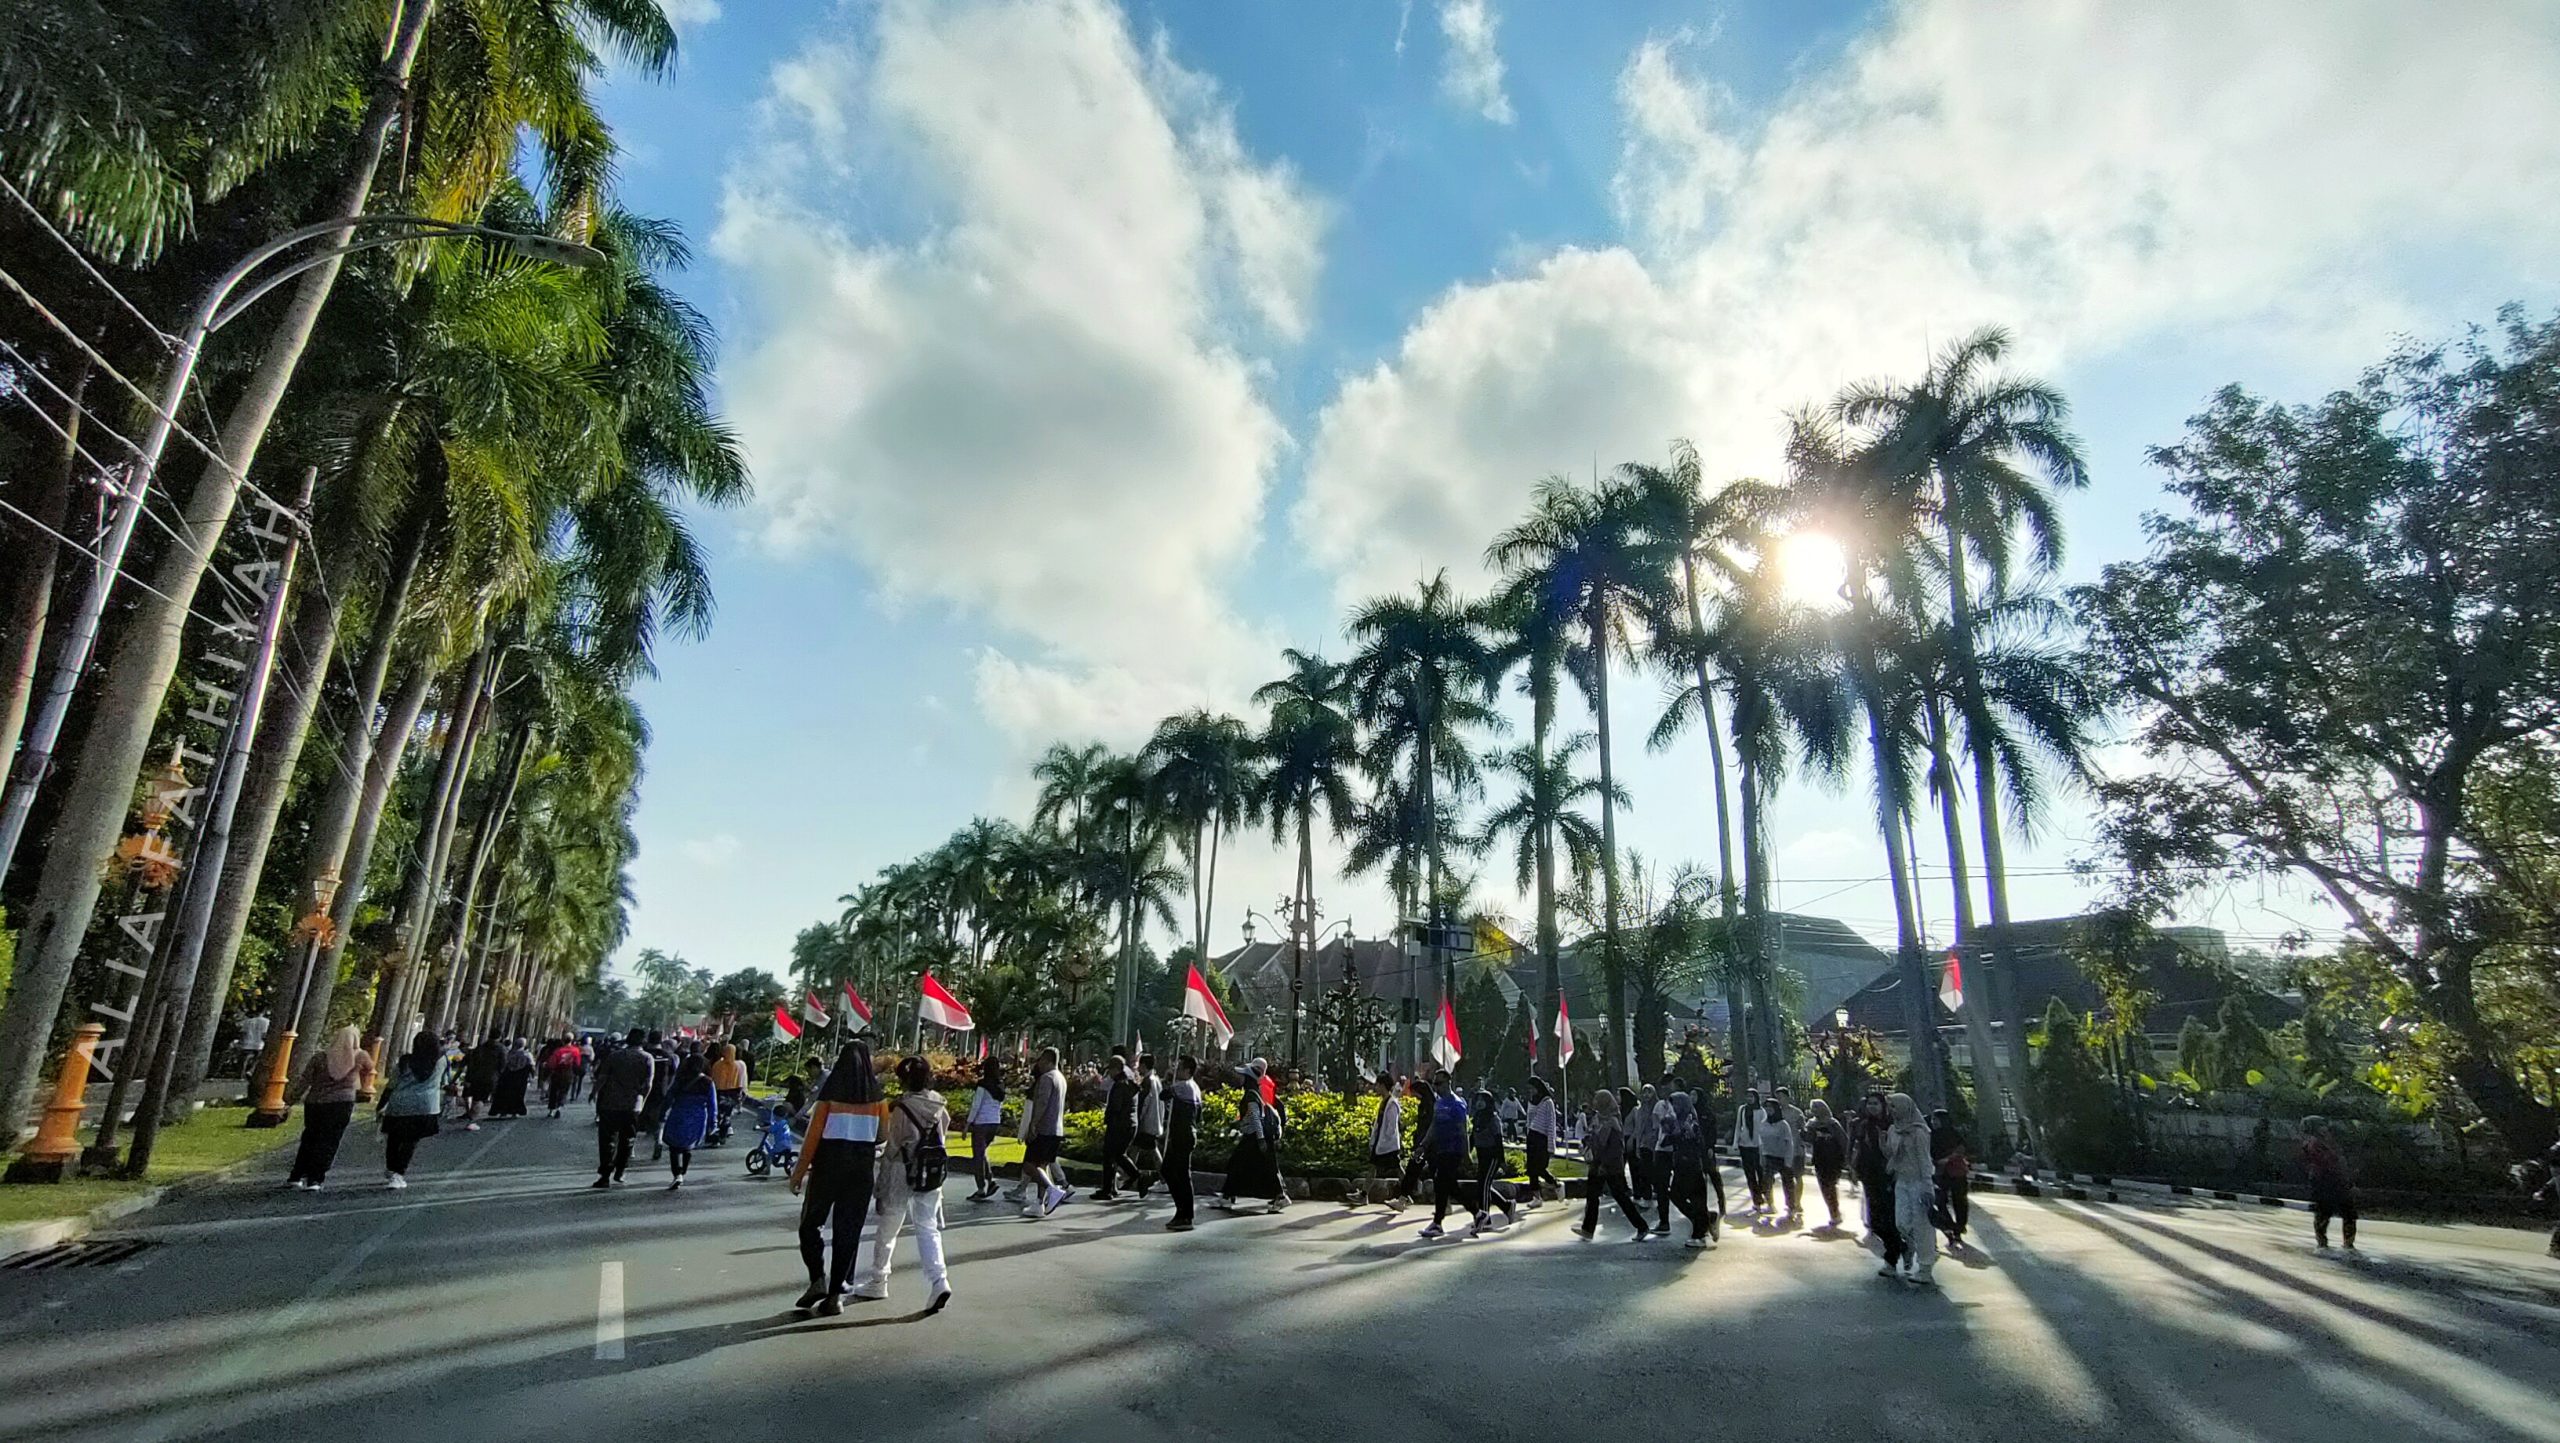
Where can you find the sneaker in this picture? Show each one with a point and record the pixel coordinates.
(1057, 1198)
(396, 1182)
(471, 1127)
(810, 1299)
(1695, 1245)
(941, 1300)
(1179, 1225)
(870, 1293)
(1066, 1193)
(1889, 1271)
(1106, 1195)
(311, 1187)
(1034, 1214)
(1277, 1205)
(829, 1306)
(1922, 1280)
(1582, 1232)
(1432, 1230)
(297, 1184)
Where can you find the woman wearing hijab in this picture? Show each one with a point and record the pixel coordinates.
(1485, 1129)
(330, 1082)
(480, 1068)
(909, 1186)
(1685, 1173)
(515, 1074)
(693, 1104)
(1779, 1163)
(1542, 1141)
(411, 1106)
(1906, 1157)
(1828, 1142)
(1644, 1135)
(835, 1168)
(1604, 1144)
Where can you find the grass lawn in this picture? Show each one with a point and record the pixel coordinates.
(211, 1139)
(1003, 1152)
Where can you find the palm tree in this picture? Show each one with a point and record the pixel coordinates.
(1070, 781)
(1991, 450)
(1874, 513)
(1305, 758)
(1200, 767)
(1533, 632)
(1545, 816)
(1595, 559)
(1421, 678)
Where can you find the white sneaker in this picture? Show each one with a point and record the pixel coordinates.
(1278, 1204)
(1034, 1214)
(1057, 1196)
(870, 1292)
(311, 1187)
(471, 1127)
(397, 1182)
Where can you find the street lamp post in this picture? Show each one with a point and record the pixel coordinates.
(218, 308)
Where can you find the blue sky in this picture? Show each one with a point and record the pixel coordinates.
(1088, 353)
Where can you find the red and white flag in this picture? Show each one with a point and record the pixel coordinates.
(942, 1009)
(1533, 1041)
(782, 1022)
(1200, 1004)
(982, 1049)
(811, 1009)
(1564, 1033)
(1444, 1048)
(853, 1003)
(1951, 982)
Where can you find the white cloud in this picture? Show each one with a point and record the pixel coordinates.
(714, 851)
(2089, 176)
(690, 14)
(1471, 72)
(1040, 400)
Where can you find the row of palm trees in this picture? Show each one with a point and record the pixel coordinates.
(503, 448)
(1935, 669)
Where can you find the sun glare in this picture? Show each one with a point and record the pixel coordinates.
(1813, 568)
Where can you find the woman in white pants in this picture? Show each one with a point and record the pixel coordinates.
(908, 1188)
(1906, 1156)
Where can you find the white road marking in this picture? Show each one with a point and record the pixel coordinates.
(609, 1313)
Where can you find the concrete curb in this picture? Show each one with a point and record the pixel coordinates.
(27, 1237)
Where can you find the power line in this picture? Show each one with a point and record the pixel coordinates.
(81, 258)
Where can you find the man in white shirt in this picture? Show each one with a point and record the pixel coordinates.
(1044, 1117)
(1746, 1142)
(1386, 1148)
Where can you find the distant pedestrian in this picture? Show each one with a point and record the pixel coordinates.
(1541, 1127)
(1386, 1148)
(1419, 1098)
(1485, 1131)
(515, 1076)
(1445, 1142)
(653, 1108)
(1953, 1166)
(1663, 1118)
(729, 1079)
(560, 1069)
(1828, 1143)
(1779, 1171)
(835, 1168)
(1513, 1115)
(411, 1106)
(331, 1082)
(1119, 1127)
(1146, 1155)
(693, 1106)
(1688, 1159)
(1906, 1156)
(1866, 1160)
(986, 1119)
(1604, 1147)
(1644, 1134)
(908, 1185)
(624, 1077)
(2332, 1190)
(1181, 1134)
(1746, 1146)
(1045, 1120)
(480, 1068)
(1253, 1169)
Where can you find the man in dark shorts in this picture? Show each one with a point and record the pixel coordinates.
(1045, 1122)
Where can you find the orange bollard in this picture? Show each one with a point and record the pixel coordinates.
(365, 1093)
(271, 1111)
(49, 1157)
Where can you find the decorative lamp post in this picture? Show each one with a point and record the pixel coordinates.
(314, 932)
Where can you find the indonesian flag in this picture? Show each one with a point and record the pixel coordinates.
(982, 1049)
(1200, 1003)
(1444, 1048)
(854, 1004)
(782, 1022)
(813, 1010)
(1951, 982)
(1564, 1032)
(942, 1009)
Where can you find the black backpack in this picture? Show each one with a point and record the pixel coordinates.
(927, 1162)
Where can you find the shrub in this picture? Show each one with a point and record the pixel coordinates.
(1327, 1134)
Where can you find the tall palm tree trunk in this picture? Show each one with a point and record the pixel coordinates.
(1733, 943)
(411, 965)
(484, 840)
(29, 588)
(382, 767)
(342, 794)
(1910, 967)
(273, 755)
(1760, 968)
(1550, 939)
(1990, 1084)
(125, 706)
(1622, 1053)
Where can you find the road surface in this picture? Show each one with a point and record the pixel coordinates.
(500, 1299)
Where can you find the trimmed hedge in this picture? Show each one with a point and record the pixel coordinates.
(1327, 1135)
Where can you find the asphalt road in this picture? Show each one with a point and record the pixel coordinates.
(500, 1299)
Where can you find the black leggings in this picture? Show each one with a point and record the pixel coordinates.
(1489, 1190)
(1541, 1153)
(1751, 1176)
(1827, 1176)
(1955, 1205)
(1446, 1169)
(323, 1123)
(679, 1159)
(838, 1194)
(2340, 1205)
(982, 1137)
(1663, 1187)
(1689, 1194)
(1614, 1182)
(1880, 1217)
(400, 1137)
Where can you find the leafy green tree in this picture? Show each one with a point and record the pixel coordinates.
(746, 995)
(2355, 618)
